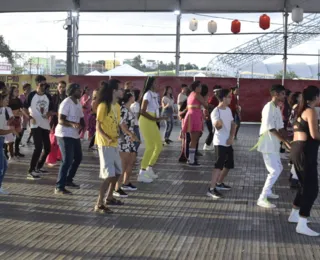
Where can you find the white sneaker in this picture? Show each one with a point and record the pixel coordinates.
(273, 196)
(303, 229)
(3, 192)
(264, 203)
(151, 173)
(144, 177)
(207, 147)
(294, 216)
(12, 159)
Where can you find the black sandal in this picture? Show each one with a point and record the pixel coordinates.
(114, 202)
(102, 209)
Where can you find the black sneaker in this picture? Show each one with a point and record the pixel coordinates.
(33, 176)
(199, 154)
(183, 160)
(295, 184)
(41, 171)
(72, 185)
(213, 193)
(19, 155)
(222, 186)
(170, 141)
(120, 194)
(58, 191)
(167, 141)
(129, 187)
(114, 202)
(102, 209)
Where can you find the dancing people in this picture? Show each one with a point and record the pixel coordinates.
(269, 143)
(67, 133)
(235, 109)
(85, 101)
(168, 111)
(135, 109)
(304, 155)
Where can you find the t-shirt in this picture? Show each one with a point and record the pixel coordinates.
(221, 136)
(166, 100)
(38, 107)
(271, 119)
(153, 102)
(181, 98)
(109, 121)
(5, 114)
(135, 109)
(74, 113)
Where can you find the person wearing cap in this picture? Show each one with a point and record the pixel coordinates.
(269, 143)
(70, 122)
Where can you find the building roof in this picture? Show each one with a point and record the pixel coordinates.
(187, 6)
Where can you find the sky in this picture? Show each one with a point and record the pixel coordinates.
(44, 31)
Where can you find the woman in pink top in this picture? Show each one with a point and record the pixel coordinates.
(193, 122)
(86, 107)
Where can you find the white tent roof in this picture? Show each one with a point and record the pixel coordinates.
(200, 75)
(124, 70)
(187, 6)
(94, 73)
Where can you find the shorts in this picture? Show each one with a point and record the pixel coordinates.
(127, 147)
(110, 162)
(224, 157)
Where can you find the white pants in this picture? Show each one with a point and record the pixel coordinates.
(293, 172)
(274, 167)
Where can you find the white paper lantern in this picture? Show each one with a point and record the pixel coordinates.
(212, 27)
(193, 25)
(297, 14)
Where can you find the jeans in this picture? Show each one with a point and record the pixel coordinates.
(71, 158)
(3, 161)
(211, 132)
(168, 112)
(137, 133)
(41, 141)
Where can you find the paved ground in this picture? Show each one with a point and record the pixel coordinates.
(169, 219)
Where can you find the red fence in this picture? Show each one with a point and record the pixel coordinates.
(254, 93)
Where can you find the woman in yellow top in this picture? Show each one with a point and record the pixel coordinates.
(108, 121)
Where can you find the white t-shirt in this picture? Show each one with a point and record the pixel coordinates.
(221, 136)
(74, 113)
(181, 98)
(271, 119)
(3, 120)
(38, 108)
(135, 109)
(153, 102)
(169, 101)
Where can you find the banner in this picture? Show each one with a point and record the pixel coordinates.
(19, 80)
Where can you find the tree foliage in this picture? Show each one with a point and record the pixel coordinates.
(5, 51)
(289, 75)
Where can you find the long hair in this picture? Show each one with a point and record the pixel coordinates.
(126, 97)
(204, 90)
(147, 86)
(86, 88)
(166, 90)
(293, 99)
(105, 94)
(309, 94)
(12, 88)
(195, 84)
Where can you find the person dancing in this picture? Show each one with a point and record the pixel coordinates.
(304, 155)
(85, 101)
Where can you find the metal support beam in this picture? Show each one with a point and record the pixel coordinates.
(178, 45)
(285, 37)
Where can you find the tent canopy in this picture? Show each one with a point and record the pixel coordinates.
(200, 75)
(124, 70)
(187, 6)
(94, 73)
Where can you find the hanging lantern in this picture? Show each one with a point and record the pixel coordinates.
(236, 26)
(297, 14)
(212, 27)
(193, 25)
(264, 22)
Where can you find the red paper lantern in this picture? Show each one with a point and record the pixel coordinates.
(264, 22)
(236, 26)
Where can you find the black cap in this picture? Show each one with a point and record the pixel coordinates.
(277, 88)
(72, 88)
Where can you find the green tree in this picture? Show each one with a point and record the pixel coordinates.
(137, 62)
(5, 51)
(289, 75)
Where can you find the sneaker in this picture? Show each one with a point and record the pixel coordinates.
(207, 147)
(214, 193)
(51, 164)
(152, 174)
(199, 154)
(102, 209)
(114, 202)
(222, 186)
(170, 141)
(120, 194)
(19, 155)
(264, 203)
(129, 187)
(273, 196)
(167, 142)
(73, 185)
(41, 171)
(3, 192)
(33, 176)
(194, 164)
(12, 159)
(58, 191)
(144, 177)
(183, 159)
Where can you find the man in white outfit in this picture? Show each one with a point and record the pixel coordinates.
(269, 143)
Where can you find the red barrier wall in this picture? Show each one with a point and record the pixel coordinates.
(254, 93)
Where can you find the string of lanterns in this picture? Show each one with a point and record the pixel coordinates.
(264, 22)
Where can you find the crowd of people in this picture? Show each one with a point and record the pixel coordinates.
(115, 120)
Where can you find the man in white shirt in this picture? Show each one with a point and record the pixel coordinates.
(39, 105)
(225, 129)
(269, 143)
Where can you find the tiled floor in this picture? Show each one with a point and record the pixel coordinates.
(168, 219)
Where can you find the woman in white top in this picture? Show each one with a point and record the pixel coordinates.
(149, 116)
(135, 109)
(167, 111)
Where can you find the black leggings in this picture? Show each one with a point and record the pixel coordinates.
(304, 157)
(18, 141)
(211, 132)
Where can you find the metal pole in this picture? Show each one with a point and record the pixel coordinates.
(285, 37)
(69, 43)
(178, 45)
(318, 64)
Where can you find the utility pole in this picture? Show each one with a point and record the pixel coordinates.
(285, 37)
